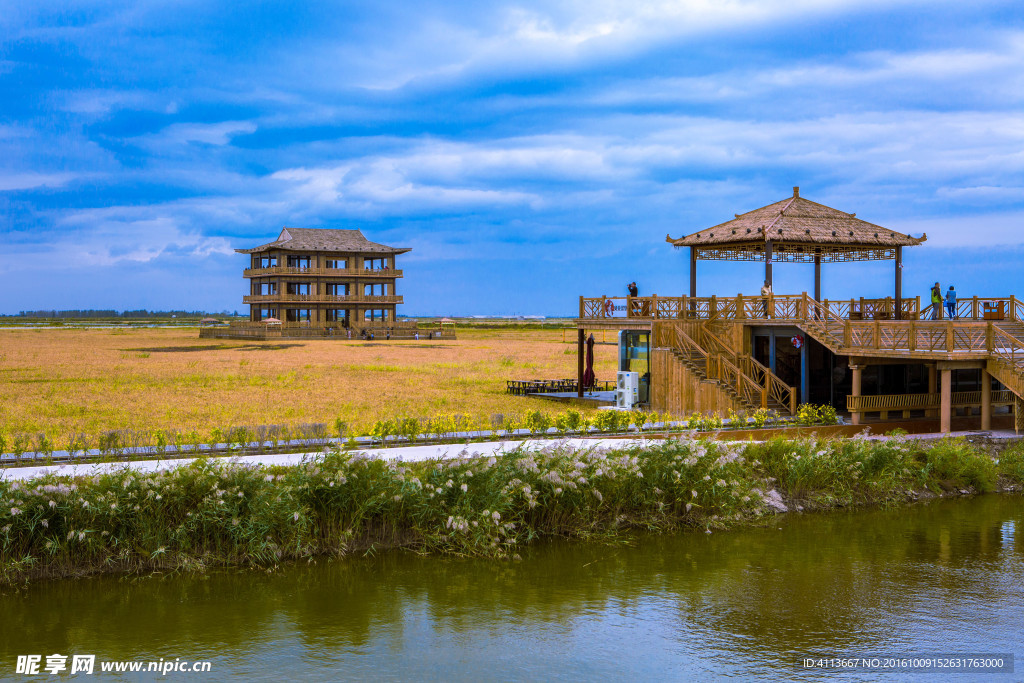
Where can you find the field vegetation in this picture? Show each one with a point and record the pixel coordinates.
(214, 513)
(73, 386)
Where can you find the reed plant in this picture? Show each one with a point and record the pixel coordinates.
(218, 513)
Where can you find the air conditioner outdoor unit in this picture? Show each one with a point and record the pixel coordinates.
(627, 389)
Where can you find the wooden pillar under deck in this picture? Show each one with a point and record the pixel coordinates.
(855, 391)
(986, 400)
(579, 363)
(946, 389)
(933, 386)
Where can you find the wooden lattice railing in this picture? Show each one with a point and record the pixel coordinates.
(904, 402)
(787, 307)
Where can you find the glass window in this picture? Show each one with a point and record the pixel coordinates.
(298, 288)
(298, 262)
(336, 263)
(336, 289)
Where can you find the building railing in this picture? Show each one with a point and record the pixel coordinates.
(904, 403)
(322, 272)
(780, 307)
(322, 298)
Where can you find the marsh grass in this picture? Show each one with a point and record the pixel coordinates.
(92, 382)
(215, 513)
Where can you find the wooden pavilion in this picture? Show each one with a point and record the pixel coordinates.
(865, 356)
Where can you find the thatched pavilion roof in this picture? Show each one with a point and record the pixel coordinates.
(798, 229)
(326, 240)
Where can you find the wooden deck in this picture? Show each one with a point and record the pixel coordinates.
(988, 333)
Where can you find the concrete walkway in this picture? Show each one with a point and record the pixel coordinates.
(403, 454)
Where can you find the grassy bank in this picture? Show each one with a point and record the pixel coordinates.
(212, 514)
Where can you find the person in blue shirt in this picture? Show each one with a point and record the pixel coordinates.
(951, 303)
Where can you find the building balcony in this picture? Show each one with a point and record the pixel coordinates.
(284, 299)
(323, 272)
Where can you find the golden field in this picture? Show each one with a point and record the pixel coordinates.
(67, 381)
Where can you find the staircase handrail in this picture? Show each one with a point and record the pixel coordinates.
(748, 371)
(1008, 352)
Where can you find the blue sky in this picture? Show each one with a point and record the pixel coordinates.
(528, 152)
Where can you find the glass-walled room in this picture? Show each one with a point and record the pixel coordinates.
(635, 356)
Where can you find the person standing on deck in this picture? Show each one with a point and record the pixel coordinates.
(633, 289)
(951, 303)
(936, 302)
(766, 292)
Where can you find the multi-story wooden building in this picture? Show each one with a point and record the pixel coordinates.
(329, 279)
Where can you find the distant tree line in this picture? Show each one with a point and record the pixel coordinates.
(100, 313)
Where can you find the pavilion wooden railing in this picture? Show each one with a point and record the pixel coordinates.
(752, 381)
(904, 403)
(779, 307)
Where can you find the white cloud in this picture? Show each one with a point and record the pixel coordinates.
(28, 180)
(966, 229)
(205, 133)
(108, 237)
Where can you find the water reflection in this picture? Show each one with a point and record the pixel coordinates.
(937, 577)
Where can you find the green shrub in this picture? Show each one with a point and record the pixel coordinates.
(1011, 462)
(954, 463)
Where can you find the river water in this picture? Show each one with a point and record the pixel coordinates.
(940, 578)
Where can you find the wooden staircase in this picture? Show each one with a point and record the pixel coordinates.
(746, 382)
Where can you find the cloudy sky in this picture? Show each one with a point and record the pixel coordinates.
(528, 152)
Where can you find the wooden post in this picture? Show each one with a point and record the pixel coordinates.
(654, 306)
(912, 335)
(855, 391)
(945, 404)
(604, 307)
(768, 262)
(817, 274)
(693, 272)
(581, 305)
(579, 363)
(802, 313)
(899, 283)
(950, 338)
(805, 375)
(974, 307)
(740, 313)
(1018, 414)
(1013, 308)
(713, 307)
(986, 400)
(933, 386)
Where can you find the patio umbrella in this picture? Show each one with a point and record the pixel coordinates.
(272, 321)
(588, 374)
